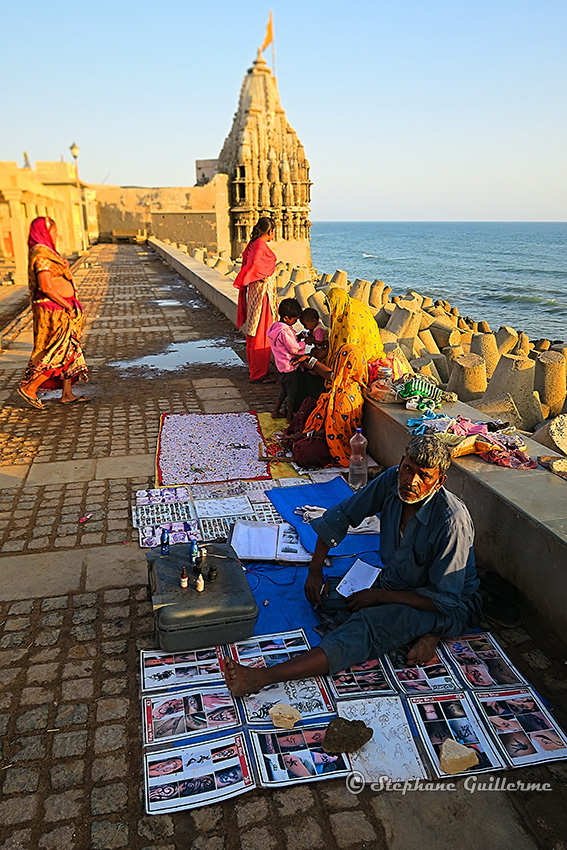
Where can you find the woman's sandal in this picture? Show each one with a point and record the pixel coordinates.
(33, 402)
(77, 399)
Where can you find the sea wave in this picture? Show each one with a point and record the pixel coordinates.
(525, 299)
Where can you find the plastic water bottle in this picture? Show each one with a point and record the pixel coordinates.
(164, 542)
(358, 464)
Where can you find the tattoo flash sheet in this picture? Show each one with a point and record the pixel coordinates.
(173, 715)
(368, 678)
(296, 755)
(526, 733)
(267, 650)
(433, 677)
(161, 670)
(309, 696)
(191, 776)
(481, 663)
(391, 751)
(453, 716)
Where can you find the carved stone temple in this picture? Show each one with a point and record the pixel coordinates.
(267, 169)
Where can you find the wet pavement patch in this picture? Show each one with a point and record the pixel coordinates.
(180, 354)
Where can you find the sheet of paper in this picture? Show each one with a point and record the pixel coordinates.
(288, 756)
(481, 663)
(391, 751)
(189, 776)
(161, 670)
(207, 508)
(434, 677)
(255, 541)
(189, 713)
(289, 546)
(368, 678)
(360, 577)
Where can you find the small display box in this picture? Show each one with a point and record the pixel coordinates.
(224, 612)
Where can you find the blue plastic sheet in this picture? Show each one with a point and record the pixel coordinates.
(287, 499)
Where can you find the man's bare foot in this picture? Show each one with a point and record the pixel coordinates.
(275, 414)
(242, 680)
(423, 650)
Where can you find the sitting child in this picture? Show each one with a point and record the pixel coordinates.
(285, 346)
(316, 334)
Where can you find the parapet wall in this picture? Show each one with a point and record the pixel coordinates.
(520, 516)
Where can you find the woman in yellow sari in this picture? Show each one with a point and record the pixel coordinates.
(351, 323)
(57, 358)
(326, 433)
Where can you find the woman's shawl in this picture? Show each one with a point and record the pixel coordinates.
(351, 323)
(44, 259)
(339, 412)
(258, 262)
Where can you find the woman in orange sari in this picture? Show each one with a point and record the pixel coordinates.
(57, 358)
(257, 297)
(327, 426)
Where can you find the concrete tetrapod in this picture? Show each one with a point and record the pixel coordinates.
(302, 293)
(403, 322)
(375, 296)
(550, 380)
(485, 345)
(468, 378)
(502, 408)
(317, 301)
(360, 290)
(340, 278)
(553, 434)
(515, 375)
(506, 339)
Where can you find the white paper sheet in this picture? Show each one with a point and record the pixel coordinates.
(360, 577)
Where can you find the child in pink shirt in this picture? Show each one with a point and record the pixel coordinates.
(285, 346)
(315, 334)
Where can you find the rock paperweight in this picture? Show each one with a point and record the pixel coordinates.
(285, 716)
(346, 736)
(455, 757)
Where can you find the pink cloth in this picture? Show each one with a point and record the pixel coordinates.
(40, 235)
(319, 333)
(258, 262)
(284, 345)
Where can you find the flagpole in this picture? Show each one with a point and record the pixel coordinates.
(273, 46)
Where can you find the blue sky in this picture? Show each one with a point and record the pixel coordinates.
(414, 110)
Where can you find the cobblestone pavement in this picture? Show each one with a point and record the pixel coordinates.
(74, 614)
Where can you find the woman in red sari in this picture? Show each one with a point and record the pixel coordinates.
(57, 358)
(257, 297)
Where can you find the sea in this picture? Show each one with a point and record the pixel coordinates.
(506, 273)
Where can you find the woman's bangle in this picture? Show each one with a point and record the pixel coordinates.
(312, 362)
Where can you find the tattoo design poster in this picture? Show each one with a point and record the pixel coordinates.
(194, 775)
(524, 730)
(161, 670)
(296, 755)
(188, 713)
(368, 678)
(309, 696)
(391, 751)
(267, 650)
(481, 663)
(452, 716)
(433, 677)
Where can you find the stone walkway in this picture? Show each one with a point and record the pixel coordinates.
(74, 613)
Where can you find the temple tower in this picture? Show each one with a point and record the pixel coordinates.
(267, 169)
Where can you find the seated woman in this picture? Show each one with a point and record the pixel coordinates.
(351, 323)
(321, 431)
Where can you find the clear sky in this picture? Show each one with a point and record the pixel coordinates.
(413, 110)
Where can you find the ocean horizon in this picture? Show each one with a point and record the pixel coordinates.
(506, 273)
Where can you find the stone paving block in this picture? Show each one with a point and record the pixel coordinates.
(63, 806)
(214, 842)
(47, 638)
(258, 838)
(29, 749)
(8, 675)
(112, 709)
(25, 606)
(85, 600)
(252, 812)
(226, 406)
(66, 744)
(64, 775)
(85, 631)
(11, 656)
(84, 615)
(336, 796)
(127, 466)
(108, 836)
(36, 696)
(33, 720)
(556, 683)
(71, 715)
(114, 665)
(114, 647)
(108, 566)
(60, 573)
(13, 639)
(115, 628)
(19, 780)
(78, 669)
(536, 659)
(351, 828)
(60, 472)
(121, 594)
(18, 840)
(111, 687)
(207, 818)
(4, 723)
(18, 809)
(305, 832)
(116, 612)
(82, 650)
(51, 620)
(109, 767)
(218, 393)
(109, 738)
(15, 624)
(154, 828)
(42, 672)
(13, 475)
(60, 838)
(293, 800)
(109, 799)
(77, 689)
(203, 383)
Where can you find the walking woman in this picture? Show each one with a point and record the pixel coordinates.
(57, 358)
(257, 297)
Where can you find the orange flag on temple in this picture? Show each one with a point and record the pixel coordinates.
(269, 33)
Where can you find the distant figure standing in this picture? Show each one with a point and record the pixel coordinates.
(257, 297)
(57, 358)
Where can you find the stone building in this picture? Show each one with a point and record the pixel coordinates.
(267, 169)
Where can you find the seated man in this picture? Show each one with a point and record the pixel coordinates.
(428, 586)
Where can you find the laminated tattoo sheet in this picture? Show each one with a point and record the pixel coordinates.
(193, 775)
(267, 650)
(309, 696)
(391, 751)
(295, 755)
(442, 716)
(188, 713)
(481, 663)
(435, 676)
(524, 730)
(368, 678)
(161, 670)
